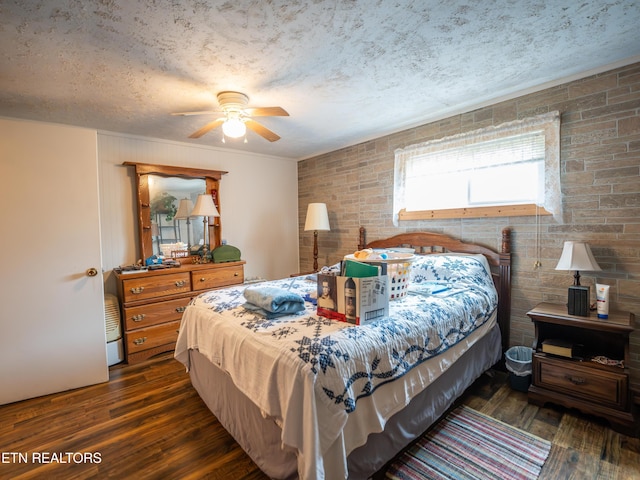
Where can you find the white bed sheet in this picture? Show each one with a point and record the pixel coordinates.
(260, 437)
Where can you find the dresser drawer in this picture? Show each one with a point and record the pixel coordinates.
(155, 286)
(150, 337)
(582, 381)
(217, 277)
(154, 313)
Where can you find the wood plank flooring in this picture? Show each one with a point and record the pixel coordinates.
(583, 447)
(147, 422)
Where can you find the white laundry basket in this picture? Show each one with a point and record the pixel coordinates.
(398, 267)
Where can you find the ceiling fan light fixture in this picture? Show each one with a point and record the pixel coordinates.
(237, 118)
(234, 128)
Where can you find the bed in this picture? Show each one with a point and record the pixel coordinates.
(309, 397)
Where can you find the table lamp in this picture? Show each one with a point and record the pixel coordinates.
(185, 208)
(577, 256)
(205, 208)
(317, 219)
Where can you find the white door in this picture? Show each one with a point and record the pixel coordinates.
(52, 330)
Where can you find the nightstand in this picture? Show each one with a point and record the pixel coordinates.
(578, 381)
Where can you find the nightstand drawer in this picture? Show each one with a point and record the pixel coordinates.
(154, 313)
(217, 277)
(581, 381)
(150, 337)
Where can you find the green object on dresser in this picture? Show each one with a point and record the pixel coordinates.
(225, 253)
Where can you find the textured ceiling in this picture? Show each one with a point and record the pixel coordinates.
(346, 71)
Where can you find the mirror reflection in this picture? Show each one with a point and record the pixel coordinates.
(171, 202)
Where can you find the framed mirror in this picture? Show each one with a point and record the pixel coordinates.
(173, 229)
(165, 199)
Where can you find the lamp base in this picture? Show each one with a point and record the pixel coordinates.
(578, 301)
(315, 250)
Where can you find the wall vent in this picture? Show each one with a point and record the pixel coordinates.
(112, 317)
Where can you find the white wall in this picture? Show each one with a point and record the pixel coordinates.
(258, 197)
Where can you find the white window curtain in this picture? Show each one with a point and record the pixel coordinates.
(446, 150)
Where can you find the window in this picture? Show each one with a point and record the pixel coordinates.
(515, 165)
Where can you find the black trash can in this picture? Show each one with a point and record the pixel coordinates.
(519, 363)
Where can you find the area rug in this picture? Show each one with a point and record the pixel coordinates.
(470, 445)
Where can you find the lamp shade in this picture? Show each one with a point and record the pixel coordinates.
(317, 217)
(577, 256)
(205, 207)
(184, 209)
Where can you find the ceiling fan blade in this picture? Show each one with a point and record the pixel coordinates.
(261, 130)
(203, 112)
(209, 126)
(266, 112)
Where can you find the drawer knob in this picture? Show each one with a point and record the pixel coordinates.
(576, 380)
(236, 274)
(203, 279)
(137, 290)
(181, 309)
(138, 318)
(180, 283)
(140, 341)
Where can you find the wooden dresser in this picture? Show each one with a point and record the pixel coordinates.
(152, 303)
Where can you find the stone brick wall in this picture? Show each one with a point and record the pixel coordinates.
(600, 162)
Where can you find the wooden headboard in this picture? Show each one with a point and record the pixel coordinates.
(500, 262)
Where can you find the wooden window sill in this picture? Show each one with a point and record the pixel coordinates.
(529, 209)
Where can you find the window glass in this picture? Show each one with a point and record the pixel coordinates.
(514, 164)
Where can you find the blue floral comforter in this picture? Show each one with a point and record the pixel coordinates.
(309, 372)
(352, 361)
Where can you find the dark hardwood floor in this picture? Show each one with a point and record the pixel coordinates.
(148, 422)
(583, 447)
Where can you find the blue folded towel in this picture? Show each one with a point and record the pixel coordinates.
(272, 301)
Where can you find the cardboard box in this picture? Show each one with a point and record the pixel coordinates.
(353, 300)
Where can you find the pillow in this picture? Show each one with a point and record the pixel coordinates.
(449, 267)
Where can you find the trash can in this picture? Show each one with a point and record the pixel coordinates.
(518, 362)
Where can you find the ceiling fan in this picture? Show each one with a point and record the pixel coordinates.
(237, 117)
